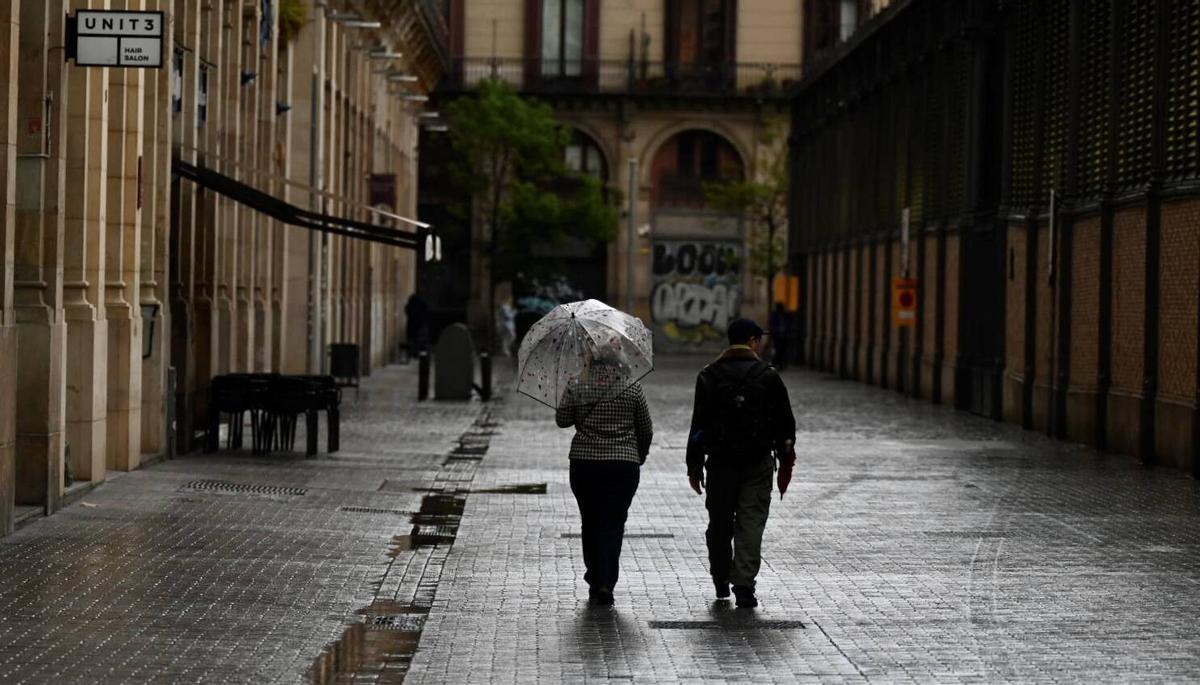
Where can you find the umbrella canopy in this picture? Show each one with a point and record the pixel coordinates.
(583, 353)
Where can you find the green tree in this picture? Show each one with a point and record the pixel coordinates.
(762, 200)
(509, 162)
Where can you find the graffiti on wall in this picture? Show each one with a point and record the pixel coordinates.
(697, 289)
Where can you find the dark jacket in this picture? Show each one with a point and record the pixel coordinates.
(737, 362)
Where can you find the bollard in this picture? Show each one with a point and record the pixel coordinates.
(485, 373)
(423, 376)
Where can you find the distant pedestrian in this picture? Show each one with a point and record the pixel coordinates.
(613, 431)
(742, 423)
(416, 327)
(781, 334)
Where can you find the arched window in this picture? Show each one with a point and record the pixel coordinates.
(688, 161)
(583, 155)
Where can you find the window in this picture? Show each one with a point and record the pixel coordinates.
(562, 37)
(848, 20)
(582, 155)
(702, 31)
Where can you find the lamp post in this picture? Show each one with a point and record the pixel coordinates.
(631, 231)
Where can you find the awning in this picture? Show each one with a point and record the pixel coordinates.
(291, 214)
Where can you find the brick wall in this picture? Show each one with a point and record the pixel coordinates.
(1014, 344)
(951, 319)
(852, 308)
(928, 314)
(1128, 307)
(1043, 332)
(881, 313)
(1179, 295)
(864, 312)
(1085, 329)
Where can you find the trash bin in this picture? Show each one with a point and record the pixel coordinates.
(454, 364)
(343, 365)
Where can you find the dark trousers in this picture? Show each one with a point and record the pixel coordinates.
(738, 503)
(604, 491)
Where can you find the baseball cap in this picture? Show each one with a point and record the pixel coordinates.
(742, 330)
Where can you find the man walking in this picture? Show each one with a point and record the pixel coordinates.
(741, 419)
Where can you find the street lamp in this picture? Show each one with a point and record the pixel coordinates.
(409, 97)
(402, 78)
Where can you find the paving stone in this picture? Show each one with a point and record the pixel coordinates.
(916, 544)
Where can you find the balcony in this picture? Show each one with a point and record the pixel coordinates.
(624, 77)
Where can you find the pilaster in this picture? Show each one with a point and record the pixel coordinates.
(123, 264)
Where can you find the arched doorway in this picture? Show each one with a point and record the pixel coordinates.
(698, 251)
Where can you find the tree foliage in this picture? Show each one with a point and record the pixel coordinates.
(509, 168)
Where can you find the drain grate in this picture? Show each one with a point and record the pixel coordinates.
(643, 536)
(727, 625)
(969, 534)
(242, 488)
(372, 510)
(411, 623)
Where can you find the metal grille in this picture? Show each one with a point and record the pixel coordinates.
(627, 536)
(727, 625)
(410, 623)
(1135, 137)
(242, 488)
(1183, 101)
(1095, 99)
(371, 510)
(966, 534)
(1023, 154)
(1056, 96)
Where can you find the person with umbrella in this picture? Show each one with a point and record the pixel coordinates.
(586, 360)
(741, 417)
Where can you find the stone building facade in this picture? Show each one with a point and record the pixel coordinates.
(120, 274)
(683, 89)
(1046, 156)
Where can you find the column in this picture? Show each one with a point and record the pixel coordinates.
(182, 242)
(156, 324)
(41, 332)
(272, 172)
(85, 219)
(229, 214)
(205, 258)
(122, 264)
(9, 25)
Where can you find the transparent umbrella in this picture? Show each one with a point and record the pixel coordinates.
(583, 353)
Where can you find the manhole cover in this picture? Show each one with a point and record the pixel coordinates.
(242, 488)
(727, 625)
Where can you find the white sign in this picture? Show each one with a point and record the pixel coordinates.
(115, 38)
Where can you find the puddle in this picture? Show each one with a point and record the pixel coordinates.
(400, 544)
(519, 489)
(523, 489)
(379, 649)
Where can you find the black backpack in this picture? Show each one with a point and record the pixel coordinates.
(741, 414)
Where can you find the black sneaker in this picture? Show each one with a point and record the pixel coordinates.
(745, 597)
(722, 588)
(601, 596)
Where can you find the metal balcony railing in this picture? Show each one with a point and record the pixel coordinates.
(594, 77)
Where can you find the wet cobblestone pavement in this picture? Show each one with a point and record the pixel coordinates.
(169, 574)
(916, 544)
